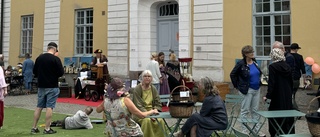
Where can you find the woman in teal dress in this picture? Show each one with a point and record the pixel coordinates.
(146, 98)
(118, 108)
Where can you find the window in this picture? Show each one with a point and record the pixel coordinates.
(169, 9)
(84, 31)
(26, 35)
(271, 22)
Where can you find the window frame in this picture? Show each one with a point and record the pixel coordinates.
(272, 14)
(28, 39)
(84, 26)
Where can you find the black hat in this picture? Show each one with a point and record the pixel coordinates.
(295, 46)
(53, 44)
(98, 51)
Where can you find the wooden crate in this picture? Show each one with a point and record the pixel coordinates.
(223, 89)
(65, 92)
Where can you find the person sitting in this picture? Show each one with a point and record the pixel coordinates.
(19, 68)
(212, 116)
(80, 120)
(118, 108)
(84, 73)
(101, 60)
(146, 98)
(8, 71)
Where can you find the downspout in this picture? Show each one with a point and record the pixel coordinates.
(1, 26)
(191, 37)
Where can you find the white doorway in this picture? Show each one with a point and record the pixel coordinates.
(168, 28)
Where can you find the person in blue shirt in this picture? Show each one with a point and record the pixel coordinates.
(27, 72)
(245, 77)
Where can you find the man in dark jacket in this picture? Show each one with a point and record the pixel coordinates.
(298, 70)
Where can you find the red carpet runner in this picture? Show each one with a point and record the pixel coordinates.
(73, 100)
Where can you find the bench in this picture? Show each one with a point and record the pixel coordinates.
(164, 98)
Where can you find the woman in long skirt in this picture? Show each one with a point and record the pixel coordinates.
(164, 85)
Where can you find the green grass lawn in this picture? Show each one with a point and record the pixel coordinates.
(18, 123)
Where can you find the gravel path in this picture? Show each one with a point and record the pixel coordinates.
(29, 102)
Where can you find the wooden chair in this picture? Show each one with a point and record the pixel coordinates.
(238, 133)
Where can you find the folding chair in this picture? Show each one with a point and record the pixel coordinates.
(233, 101)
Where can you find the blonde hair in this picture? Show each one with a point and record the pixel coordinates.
(153, 55)
(172, 56)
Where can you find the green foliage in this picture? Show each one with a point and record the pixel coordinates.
(18, 123)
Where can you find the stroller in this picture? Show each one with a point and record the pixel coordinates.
(15, 82)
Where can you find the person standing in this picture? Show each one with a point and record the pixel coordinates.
(298, 70)
(153, 66)
(47, 68)
(289, 57)
(164, 85)
(27, 72)
(101, 60)
(279, 90)
(173, 72)
(245, 77)
(2, 61)
(3, 93)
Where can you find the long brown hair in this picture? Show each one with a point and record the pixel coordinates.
(208, 86)
(160, 61)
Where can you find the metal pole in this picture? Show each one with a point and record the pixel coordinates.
(1, 26)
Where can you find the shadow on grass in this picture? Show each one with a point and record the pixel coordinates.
(18, 123)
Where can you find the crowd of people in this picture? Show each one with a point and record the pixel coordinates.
(126, 113)
(285, 71)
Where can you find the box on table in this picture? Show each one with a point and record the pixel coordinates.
(65, 92)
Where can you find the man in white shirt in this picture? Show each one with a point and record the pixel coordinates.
(77, 121)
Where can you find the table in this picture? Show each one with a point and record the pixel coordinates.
(297, 135)
(166, 115)
(281, 114)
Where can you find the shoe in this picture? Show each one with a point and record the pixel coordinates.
(50, 131)
(34, 130)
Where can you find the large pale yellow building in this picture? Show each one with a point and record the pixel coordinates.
(212, 32)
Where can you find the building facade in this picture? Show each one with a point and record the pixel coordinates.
(212, 32)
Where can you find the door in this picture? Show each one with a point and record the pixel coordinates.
(168, 37)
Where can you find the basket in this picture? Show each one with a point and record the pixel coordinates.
(181, 107)
(184, 87)
(313, 120)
